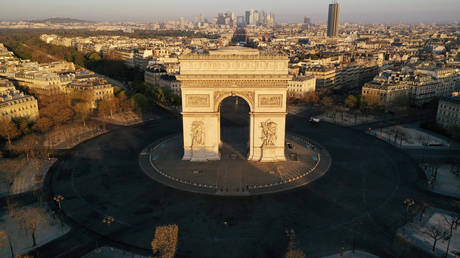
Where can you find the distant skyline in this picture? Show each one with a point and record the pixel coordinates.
(353, 11)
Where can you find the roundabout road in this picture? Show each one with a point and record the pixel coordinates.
(360, 199)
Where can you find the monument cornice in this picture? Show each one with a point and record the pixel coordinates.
(227, 77)
(233, 57)
(239, 84)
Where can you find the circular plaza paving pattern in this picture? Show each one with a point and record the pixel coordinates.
(233, 175)
(359, 201)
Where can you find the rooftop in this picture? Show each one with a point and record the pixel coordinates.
(234, 50)
(453, 99)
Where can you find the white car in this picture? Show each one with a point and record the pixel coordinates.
(314, 120)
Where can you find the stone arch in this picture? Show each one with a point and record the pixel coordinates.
(248, 96)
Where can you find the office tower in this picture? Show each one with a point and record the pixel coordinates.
(271, 20)
(250, 19)
(306, 23)
(233, 16)
(333, 20)
(240, 21)
(220, 19)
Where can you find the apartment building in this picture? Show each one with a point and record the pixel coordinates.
(448, 112)
(384, 93)
(153, 74)
(15, 104)
(170, 82)
(299, 85)
(42, 82)
(325, 76)
(94, 88)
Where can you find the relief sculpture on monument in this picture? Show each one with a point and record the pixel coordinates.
(269, 132)
(198, 133)
(197, 100)
(270, 100)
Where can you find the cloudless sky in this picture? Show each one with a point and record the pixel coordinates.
(356, 11)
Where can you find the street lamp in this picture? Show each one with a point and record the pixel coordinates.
(58, 198)
(408, 203)
(108, 220)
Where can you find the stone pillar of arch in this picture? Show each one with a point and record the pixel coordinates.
(261, 80)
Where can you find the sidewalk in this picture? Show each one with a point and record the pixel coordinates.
(110, 252)
(346, 119)
(67, 136)
(416, 233)
(9, 168)
(357, 254)
(30, 176)
(127, 118)
(407, 137)
(446, 183)
(48, 230)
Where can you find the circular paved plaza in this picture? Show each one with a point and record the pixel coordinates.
(359, 201)
(233, 175)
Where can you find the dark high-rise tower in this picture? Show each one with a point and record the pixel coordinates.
(333, 20)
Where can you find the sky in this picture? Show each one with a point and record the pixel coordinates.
(353, 11)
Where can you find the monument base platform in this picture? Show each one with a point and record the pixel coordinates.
(234, 174)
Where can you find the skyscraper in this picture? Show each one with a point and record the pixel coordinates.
(250, 19)
(333, 20)
(306, 22)
(240, 21)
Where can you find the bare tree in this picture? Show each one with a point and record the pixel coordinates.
(351, 101)
(311, 98)
(8, 129)
(43, 124)
(5, 240)
(164, 243)
(327, 102)
(436, 232)
(293, 251)
(452, 221)
(82, 111)
(29, 219)
(10, 168)
(28, 145)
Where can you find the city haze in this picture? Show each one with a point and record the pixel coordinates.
(353, 11)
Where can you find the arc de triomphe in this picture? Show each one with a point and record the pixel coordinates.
(260, 79)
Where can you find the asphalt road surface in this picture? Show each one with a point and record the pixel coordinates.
(359, 202)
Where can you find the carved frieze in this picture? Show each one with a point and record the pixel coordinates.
(247, 95)
(234, 84)
(270, 100)
(197, 100)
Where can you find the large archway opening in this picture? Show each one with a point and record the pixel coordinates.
(234, 128)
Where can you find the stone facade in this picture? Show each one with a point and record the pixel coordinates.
(261, 80)
(14, 104)
(385, 94)
(448, 112)
(299, 85)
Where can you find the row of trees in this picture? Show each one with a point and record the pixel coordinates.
(330, 101)
(59, 110)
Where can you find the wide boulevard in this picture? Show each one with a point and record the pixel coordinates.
(359, 202)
